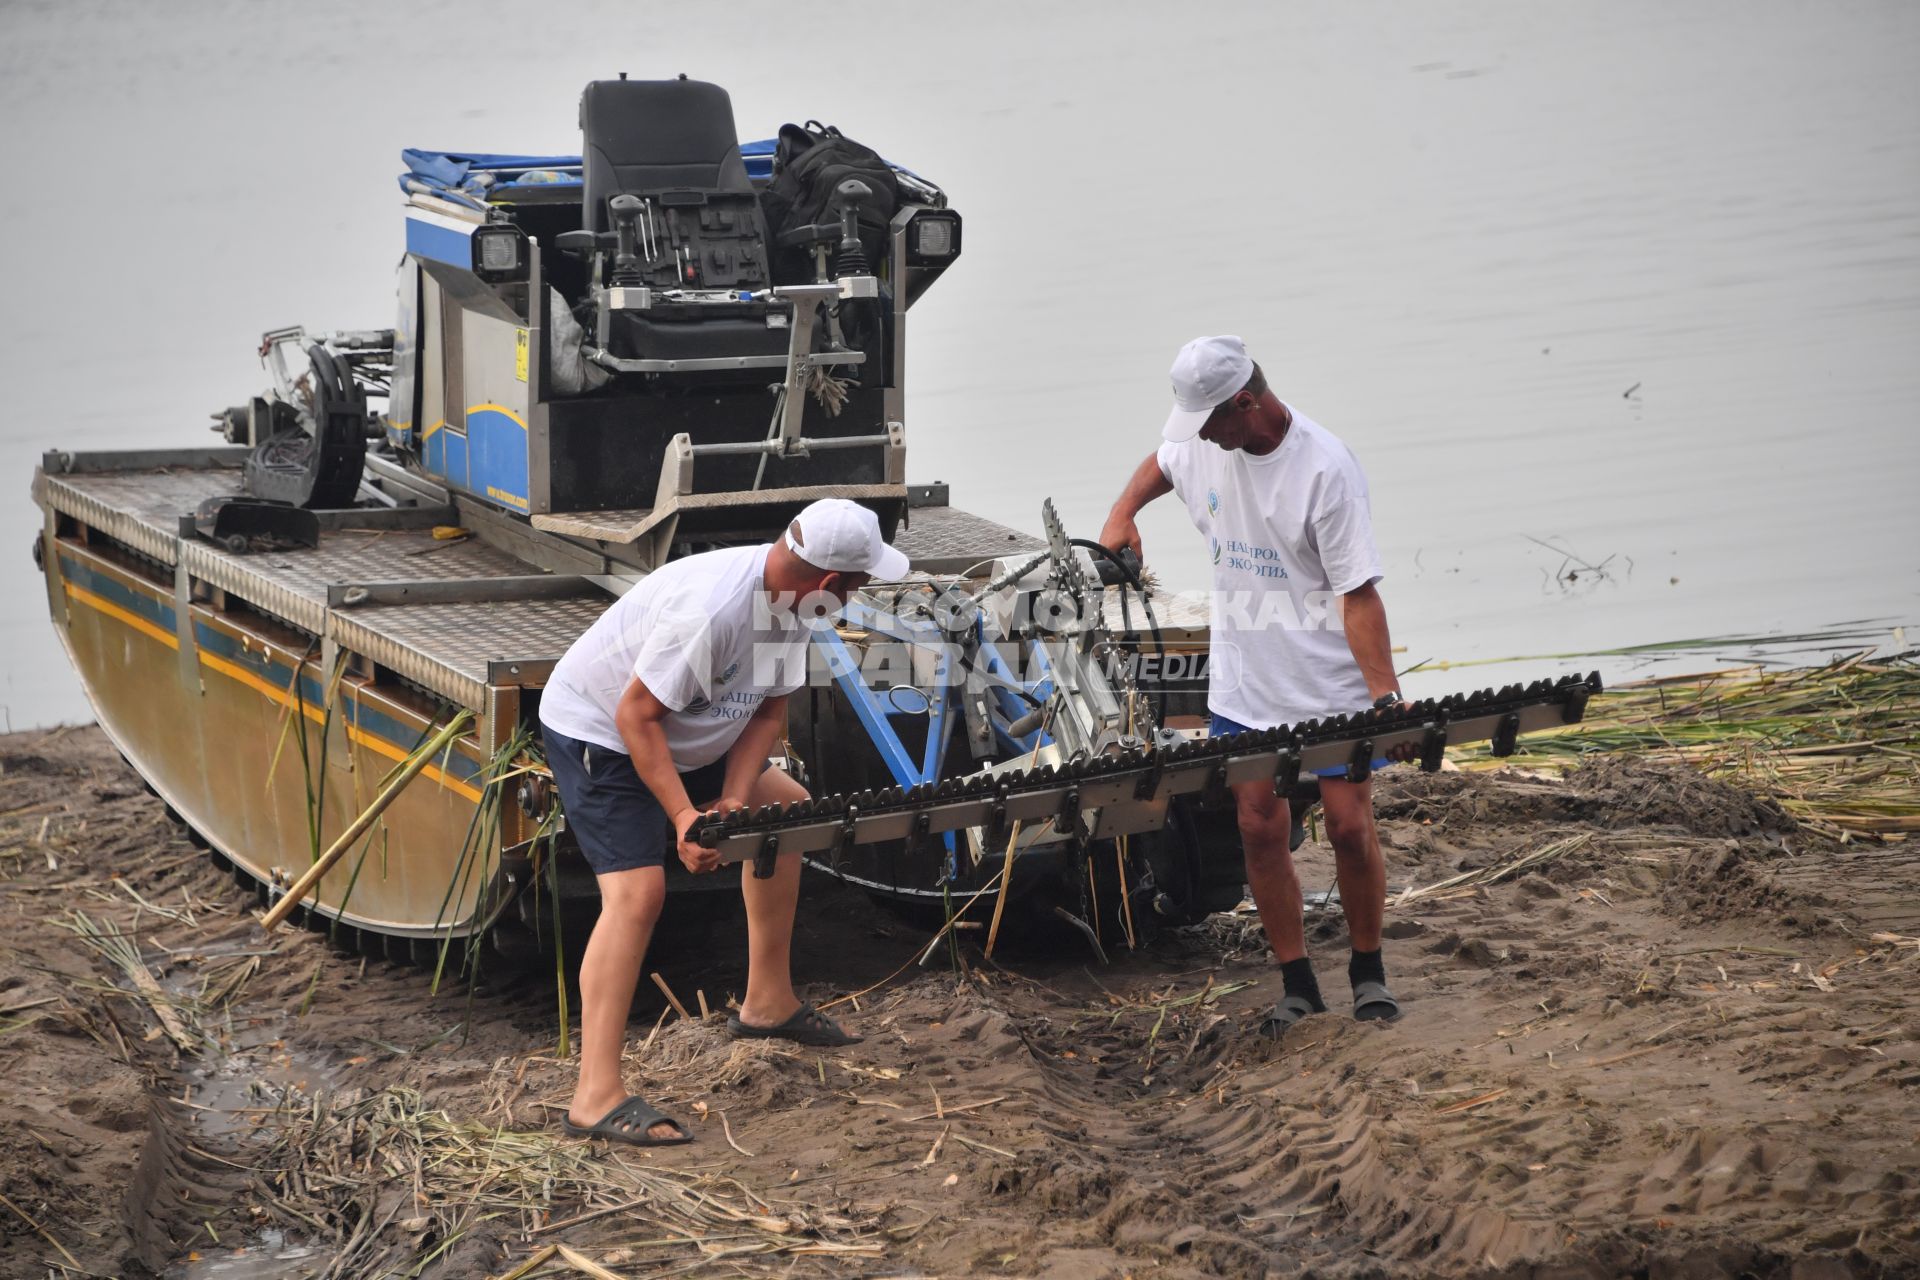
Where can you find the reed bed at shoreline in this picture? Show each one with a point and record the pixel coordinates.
(1836, 746)
(398, 1183)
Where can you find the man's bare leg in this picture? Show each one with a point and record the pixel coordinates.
(1362, 874)
(771, 903)
(1358, 866)
(1265, 826)
(630, 903)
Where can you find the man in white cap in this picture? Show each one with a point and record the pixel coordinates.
(1298, 631)
(666, 707)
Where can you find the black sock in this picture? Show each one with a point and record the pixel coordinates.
(1366, 966)
(1297, 977)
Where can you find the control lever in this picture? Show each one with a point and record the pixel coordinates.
(626, 259)
(852, 260)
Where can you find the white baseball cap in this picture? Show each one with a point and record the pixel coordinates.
(1207, 373)
(842, 536)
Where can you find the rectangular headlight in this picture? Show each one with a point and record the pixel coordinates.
(498, 253)
(933, 237)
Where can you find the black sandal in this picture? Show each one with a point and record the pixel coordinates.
(807, 1026)
(1285, 1014)
(629, 1122)
(1372, 1002)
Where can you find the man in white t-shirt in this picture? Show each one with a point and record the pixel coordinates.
(1298, 631)
(669, 706)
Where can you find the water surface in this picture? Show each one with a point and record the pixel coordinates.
(1638, 281)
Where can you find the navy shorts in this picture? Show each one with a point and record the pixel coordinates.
(1223, 725)
(617, 822)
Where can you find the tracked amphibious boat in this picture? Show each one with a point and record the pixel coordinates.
(600, 362)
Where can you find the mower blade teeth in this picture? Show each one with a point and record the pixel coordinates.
(1284, 745)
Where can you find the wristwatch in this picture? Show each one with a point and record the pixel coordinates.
(1386, 700)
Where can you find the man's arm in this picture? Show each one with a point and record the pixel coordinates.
(641, 717)
(747, 758)
(1147, 483)
(1365, 616)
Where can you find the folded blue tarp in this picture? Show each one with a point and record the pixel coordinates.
(454, 173)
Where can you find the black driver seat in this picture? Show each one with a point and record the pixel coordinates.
(672, 143)
(648, 136)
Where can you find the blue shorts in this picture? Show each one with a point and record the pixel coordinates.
(617, 822)
(1223, 725)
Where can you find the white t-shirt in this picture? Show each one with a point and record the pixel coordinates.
(700, 634)
(1290, 533)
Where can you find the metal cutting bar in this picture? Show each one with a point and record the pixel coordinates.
(1131, 791)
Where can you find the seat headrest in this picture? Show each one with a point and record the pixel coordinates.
(665, 132)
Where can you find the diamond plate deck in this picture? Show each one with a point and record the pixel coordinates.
(447, 647)
(443, 647)
(461, 639)
(948, 540)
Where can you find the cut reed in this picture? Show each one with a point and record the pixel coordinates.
(1836, 746)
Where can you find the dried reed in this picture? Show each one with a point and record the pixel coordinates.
(1836, 746)
(338, 1162)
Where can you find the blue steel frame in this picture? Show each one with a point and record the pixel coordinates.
(876, 710)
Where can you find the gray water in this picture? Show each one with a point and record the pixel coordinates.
(1640, 281)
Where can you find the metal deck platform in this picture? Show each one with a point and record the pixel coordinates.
(513, 623)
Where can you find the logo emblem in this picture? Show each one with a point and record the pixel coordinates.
(1213, 503)
(729, 673)
(1216, 549)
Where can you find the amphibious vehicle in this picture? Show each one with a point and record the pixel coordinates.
(598, 362)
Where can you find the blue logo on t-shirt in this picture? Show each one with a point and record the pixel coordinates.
(729, 673)
(1216, 549)
(1213, 503)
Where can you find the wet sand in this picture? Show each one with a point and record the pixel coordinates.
(1676, 1048)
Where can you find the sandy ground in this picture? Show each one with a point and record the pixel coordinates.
(1677, 1049)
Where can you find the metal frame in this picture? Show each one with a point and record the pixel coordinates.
(538, 586)
(965, 701)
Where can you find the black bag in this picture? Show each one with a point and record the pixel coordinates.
(809, 163)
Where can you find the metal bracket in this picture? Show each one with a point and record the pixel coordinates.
(996, 824)
(1067, 821)
(521, 673)
(533, 586)
(1433, 746)
(707, 364)
(101, 461)
(387, 517)
(1575, 709)
(183, 630)
(1286, 774)
(1149, 782)
(1505, 734)
(50, 557)
(1360, 766)
(764, 860)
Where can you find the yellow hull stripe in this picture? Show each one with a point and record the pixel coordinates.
(133, 620)
(518, 421)
(273, 692)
